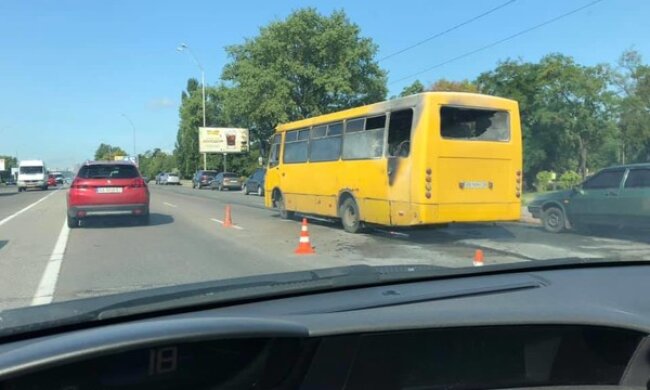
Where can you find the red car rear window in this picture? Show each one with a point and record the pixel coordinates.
(108, 172)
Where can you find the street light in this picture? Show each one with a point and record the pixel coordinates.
(132, 126)
(181, 48)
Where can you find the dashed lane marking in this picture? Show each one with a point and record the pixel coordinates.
(169, 204)
(17, 213)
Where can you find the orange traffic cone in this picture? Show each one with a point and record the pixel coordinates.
(227, 222)
(304, 246)
(478, 258)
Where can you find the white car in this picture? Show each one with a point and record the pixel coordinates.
(170, 178)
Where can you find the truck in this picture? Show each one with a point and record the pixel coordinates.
(32, 174)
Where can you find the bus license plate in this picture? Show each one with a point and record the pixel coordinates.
(474, 185)
(109, 190)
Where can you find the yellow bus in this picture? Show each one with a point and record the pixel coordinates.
(426, 159)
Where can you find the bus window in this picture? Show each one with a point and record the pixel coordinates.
(367, 143)
(399, 133)
(473, 124)
(296, 145)
(326, 148)
(275, 150)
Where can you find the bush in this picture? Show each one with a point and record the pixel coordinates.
(543, 180)
(569, 179)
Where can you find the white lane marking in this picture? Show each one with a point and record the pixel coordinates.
(45, 291)
(169, 204)
(221, 222)
(17, 213)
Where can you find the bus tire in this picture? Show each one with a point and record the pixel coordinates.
(350, 218)
(284, 213)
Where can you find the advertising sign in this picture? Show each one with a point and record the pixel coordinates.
(2, 164)
(223, 140)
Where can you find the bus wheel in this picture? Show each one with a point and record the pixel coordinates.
(284, 213)
(350, 218)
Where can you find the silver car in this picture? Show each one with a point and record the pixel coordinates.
(170, 178)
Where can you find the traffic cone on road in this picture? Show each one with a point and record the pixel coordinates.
(227, 222)
(304, 246)
(478, 258)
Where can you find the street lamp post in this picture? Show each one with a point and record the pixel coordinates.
(183, 47)
(133, 127)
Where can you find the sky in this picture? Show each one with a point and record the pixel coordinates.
(73, 72)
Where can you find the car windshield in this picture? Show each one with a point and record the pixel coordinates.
(205, 142)
(30, 170)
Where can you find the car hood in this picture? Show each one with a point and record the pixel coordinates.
(555, 195)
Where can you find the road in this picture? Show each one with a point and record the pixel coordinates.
(43, 261)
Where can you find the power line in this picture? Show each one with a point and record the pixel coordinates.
(488, 46)
(468, 21)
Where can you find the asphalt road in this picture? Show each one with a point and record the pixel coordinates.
(43, 261)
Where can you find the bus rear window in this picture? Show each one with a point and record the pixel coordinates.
(472, 124)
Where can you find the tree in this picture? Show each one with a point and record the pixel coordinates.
(444, 85)
(416, 87)
(10, 162)
(108, 152)
(186, 151)
(633, 81)
(566, 110)
(155, 161)
(305, 65)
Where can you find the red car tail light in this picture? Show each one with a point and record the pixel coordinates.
(137, 183)
(75, 185)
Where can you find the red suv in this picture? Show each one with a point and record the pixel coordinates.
(108, 188)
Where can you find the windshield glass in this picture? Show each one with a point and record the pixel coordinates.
(107, 172)
(30, 170)
(445, 137)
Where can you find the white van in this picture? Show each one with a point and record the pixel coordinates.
(32, 174)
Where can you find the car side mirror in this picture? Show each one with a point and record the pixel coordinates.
(391, 165)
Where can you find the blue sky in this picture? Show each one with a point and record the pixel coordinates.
(69, 69)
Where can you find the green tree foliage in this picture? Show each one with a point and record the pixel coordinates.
(633, 81)
(569, 179)
(10, 162)
(416, 87)
(108, 152)
(187, 154)
(155, 161)
(308, 64)
(566, 110)
(444, 85)
(543, 180)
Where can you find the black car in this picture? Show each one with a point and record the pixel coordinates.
(255, 183)
(203, 178)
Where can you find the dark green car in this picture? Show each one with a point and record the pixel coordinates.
(616, 196)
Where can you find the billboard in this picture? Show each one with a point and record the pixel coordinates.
(223, 140)
(2, 164)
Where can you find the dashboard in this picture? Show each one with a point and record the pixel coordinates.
(490, 331)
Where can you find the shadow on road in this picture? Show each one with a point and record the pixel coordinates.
(640, 235)
(8, 193)
(125, 221)
(3, 243)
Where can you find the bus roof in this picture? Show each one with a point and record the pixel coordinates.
(462, 98)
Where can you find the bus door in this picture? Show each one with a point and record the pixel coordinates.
(399, 167)
(272, 179)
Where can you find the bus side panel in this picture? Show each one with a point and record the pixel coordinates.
(370, 189)
(311, 188)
